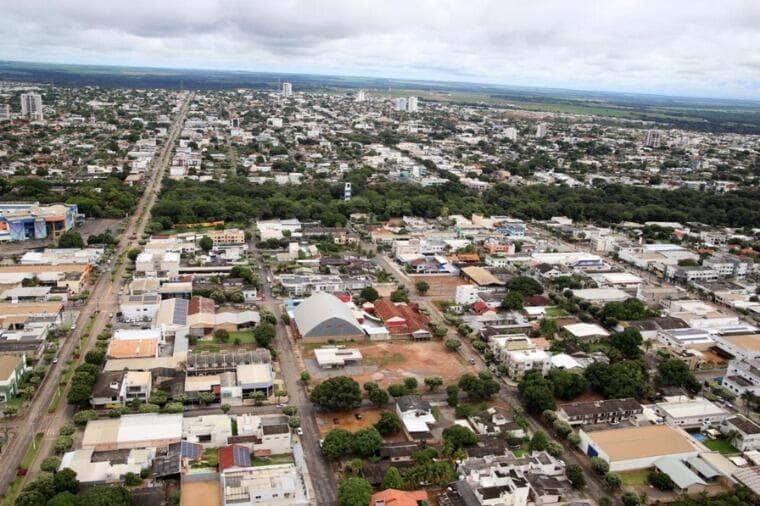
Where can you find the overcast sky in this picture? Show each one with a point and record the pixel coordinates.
(703, 48)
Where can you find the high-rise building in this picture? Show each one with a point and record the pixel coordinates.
(399, 104)
(287, 90)
(347, 192)
(31, 105)
(653, 139)
(5, 112)
(540, 130)
(511, 133)
(411, 104)
(361, 96)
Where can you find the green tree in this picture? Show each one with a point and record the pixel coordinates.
(575, 475)
(627, 342)
(410, 383)
(399, 295)
(378, 396)
(105, 495)
(368, 293)
(539, 442)
(354, 491)
(536, 393)
(337, 443)
(340, 393)
(513, 301)
(70, 239)
(660, 480)
(674, 372)
(366, 442)
(433, 382)
(392, 479)
(422, 287)
(479, 388)
(452, 395)
(599, 466)
(65, 480)
(264, 334)
(525, 285)
(50, 464)
(630, 499)
(613, 481)
(456, 437)
(567, 385)
(388, 424)
(453, 344)
(205, 243)
(63, 499)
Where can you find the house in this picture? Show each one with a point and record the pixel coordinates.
(276, 485)
(402, 319)
(211, 431)
(631, 448)
(323, 317)
(599, 412)
(481, 276)
(329, 357)
(137, 308)
(135, 385)
(742, 375)
(493, 422)
(393, 497)
(99, 467)
(263, 435)
(255, 378)
(690, 413)
(12, 367)
(744, 433)
(416, 415)
(106, 390)
(520, 362)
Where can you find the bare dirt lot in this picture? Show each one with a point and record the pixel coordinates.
(391, 362)
(441, 286)
(348, 420)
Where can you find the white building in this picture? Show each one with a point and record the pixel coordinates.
(211, 431)
(540, 130)
(416, 414)
(399, 104)
(287, 90)
(31, 106)
(685, 339)
(520, 362)
(136, 308)
(268, 434)
(334, 356)
(690, 413)
(742, 375)
(411, 104)
(745, 432)
(135, 385)
(278, 485)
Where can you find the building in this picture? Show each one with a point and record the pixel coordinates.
(323, 317)
(263, 435)
(601, 296)
(135, 385)
(210, 431)
(742, 375)
(411, 104)
(653, 139)
(630, 448)
(599, 412)
(686, 339)
(97, 468)
(133, 431)
(31, 106)
(402, 319)
(540, 130)
(5, 112)
(416, 415)
(277, 485)
(399, 104)
(12, 367)
(393, 497)
(329, 357)
(520, 362)
(744, 433)
(137, 308)
(23, 221)
(690, 413)
(586, 331)
(740, 346)
(287, 89)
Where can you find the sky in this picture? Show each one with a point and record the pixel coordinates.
(692, 48)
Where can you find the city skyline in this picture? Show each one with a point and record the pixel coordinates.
(677, 49)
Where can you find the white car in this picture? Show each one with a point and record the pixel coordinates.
(299, 431)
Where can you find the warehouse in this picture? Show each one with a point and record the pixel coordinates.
(133, 431)
(323, 317)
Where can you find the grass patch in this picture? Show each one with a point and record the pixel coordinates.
(209, 346)
(555, 312)
(634, 478)
(285, 458)
(245, 337)
(436, 412)
(210, 458)
(390, 359)
(53, 406)
(721, 445)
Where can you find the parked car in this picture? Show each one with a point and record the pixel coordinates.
(299, 431)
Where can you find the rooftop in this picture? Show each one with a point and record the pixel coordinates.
(641, 442)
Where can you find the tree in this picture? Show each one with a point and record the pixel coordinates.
(105, 495)
(50, 464)
(369, 293)
(513, 301)
(65, 480)
(630, 499)
(95, 357)
(452, 395)
(525, 285)
(399, 295)
(674, 372)
(567, 385)
(337, 443)
(30, 497)
(629, 309)
(599, 466)
(70, 239)
(457, 437)
(340, 393)
(479, 388)
(63, 499)
(433, 382)
(222, 336)
(575, 475)
(613, 481)
(206, 243)
(539, 442)
(132, 479)
(562, 428)
(660, 480)
(536, 393)
(388, 424)
(397, 390)
(453, 344)
(305, 377)
(422, 287)
(392, 479)
(264, 333)
(378, 396)
(354, 491)
(627, 342)
(366, 442)
(410, 383)
(82, 417)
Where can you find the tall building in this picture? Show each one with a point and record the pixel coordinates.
(347, 192)
(540, 130)
(287, 90)
(5, 112)
(411, 104)
(361, 96)
(653, 139)
(399, 104)
(31, 105)
(511, 133)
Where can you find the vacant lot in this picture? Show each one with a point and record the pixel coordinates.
(348, 420)
(441, 287)
(391, 362)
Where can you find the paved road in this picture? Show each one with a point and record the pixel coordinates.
(102, 303)
(322, 477)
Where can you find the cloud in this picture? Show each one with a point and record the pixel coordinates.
(686, 47)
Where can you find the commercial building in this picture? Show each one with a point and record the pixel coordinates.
(631, 448)
(277, 485)
(744, 433)
(586, 331)
(12, 367)
(210, 431)
(598, 412)
(323, 317)
(148, 430)
(686, 339)
(690, 413)
(740, 346)
(601, 295)
(742, 375)
(329, 357)
(23, 221)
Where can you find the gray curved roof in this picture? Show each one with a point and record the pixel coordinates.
(324, 314)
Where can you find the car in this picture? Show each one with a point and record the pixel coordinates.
(472, 361)
(55, 360)
(280, 406)
(321, 443)
(299, 431)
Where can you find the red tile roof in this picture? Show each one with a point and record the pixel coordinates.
(393, 497)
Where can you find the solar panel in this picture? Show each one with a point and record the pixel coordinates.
(190, 450)
(240, 456)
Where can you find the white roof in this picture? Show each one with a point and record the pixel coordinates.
(564, 361)
(336, 356)
(319, 307)
(601, 294)
(693, 407)
(585, 330)
(149, 427)
(129, 334)
(254, 373)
